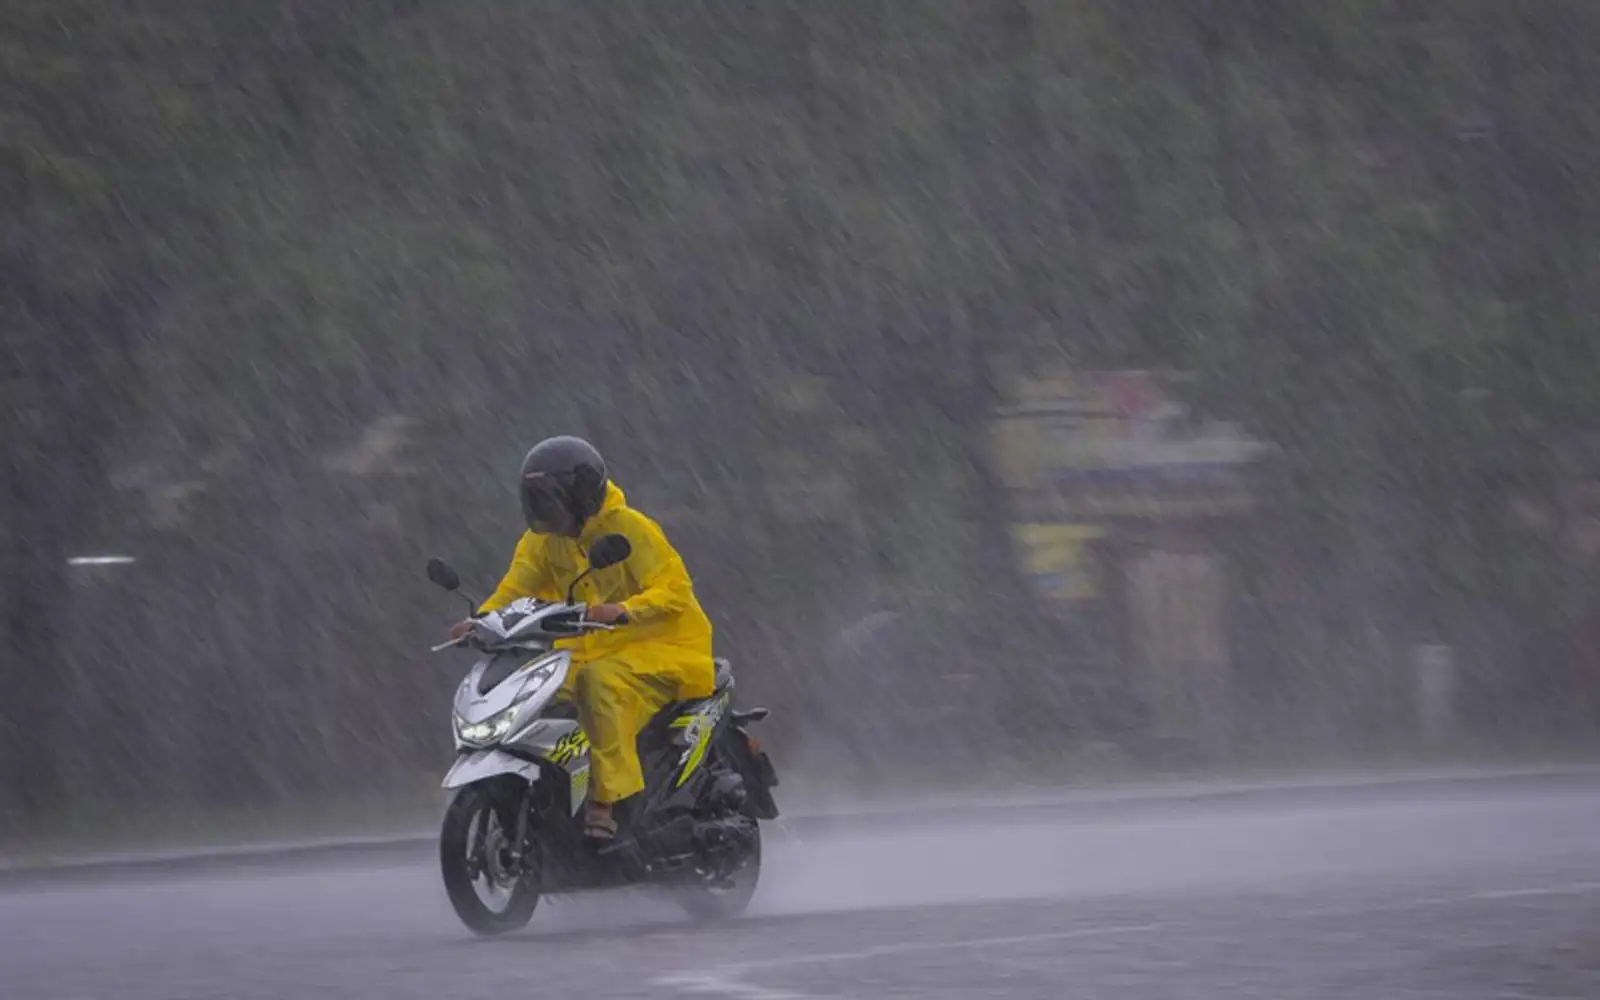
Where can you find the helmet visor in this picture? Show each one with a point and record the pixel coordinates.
(546, 505)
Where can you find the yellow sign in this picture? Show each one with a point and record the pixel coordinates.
(1058, 559)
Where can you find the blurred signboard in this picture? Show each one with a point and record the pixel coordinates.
(1078, 451)
(1112, 428)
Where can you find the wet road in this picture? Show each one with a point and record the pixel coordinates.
(1459, 895)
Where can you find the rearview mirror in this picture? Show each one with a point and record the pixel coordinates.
(442, 575)
(608, 550)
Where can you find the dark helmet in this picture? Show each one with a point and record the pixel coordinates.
(563, 485)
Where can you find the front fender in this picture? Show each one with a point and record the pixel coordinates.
(474, 767)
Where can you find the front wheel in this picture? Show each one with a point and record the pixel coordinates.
(717, 896)
(490, 893)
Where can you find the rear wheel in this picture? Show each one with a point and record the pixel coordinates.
(491, 894)
(723, 892)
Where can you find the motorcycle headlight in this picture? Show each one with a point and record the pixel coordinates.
(490, 730)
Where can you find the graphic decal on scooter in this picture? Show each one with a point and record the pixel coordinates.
(697, 733)
(574, 744)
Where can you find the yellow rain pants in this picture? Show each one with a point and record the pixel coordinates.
(615, 701)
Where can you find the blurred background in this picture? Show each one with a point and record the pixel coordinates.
(1040, 391)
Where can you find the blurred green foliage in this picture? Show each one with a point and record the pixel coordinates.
(291, 285)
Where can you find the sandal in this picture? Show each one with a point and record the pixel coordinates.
(600, 825)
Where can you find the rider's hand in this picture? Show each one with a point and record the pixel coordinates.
(606, 614)
(460, 629)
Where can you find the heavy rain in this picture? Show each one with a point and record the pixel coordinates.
(1145, 454)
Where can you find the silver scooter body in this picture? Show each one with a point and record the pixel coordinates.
(498, 713)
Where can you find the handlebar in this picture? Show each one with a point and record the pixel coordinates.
(583, 624)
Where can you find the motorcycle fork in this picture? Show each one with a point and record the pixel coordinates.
(519, 842)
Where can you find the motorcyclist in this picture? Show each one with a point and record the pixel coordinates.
(620, 678)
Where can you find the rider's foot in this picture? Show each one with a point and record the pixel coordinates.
(600, 823)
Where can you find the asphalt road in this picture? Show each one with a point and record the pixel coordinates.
(1458, 895)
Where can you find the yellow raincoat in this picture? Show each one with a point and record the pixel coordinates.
(620, 679)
